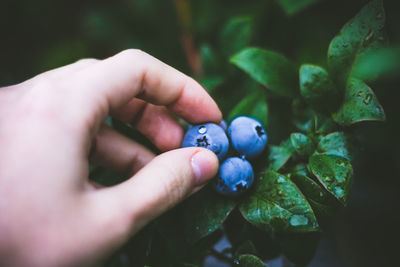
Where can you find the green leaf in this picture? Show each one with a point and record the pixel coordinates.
(269, 68)
(362, 34)
(277, 205)
(302, 144)
(383, 62)
(319, 199)
(317, 88)
(334, 144)
(246, 247)
(247, 260)
(254, 105)
(294, 6)
(299, 247)
(210, 62)
(204, 212)
(211, 82)
(334, 173)
(236, 34)
(279, 155)
(360, 104)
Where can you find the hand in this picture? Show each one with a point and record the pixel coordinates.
(50, 214)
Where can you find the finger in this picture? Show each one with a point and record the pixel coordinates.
(119, 153)
(114, 82)
(154, 122)
(158, 186)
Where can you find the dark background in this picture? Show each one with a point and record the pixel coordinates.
(39, 35)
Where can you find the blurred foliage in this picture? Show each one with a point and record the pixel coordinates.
(288, 63)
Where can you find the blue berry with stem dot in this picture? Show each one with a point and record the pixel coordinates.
(235, 177)
(248, 136)
(208, 135)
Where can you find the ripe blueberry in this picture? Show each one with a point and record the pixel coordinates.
(248, 136)
(208, 135)
(235, 177)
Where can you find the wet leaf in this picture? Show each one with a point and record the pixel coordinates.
(334, 173)
(302, 144)
(334, 144)
(204, 212)
(317, 88)
(269, 68)
(362, 34)
(277, 205)
(294, 6)
(247, 260)
(360, 104)
(236, 34)
(320, 200)
(279, 155)
(254, 105)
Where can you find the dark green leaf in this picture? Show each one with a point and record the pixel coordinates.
(293, 6)
(210, 62)
(277, 205)
(211, 82)
(360, 104)
(317, 88)
(319, 199)
(324, 124)
(362, 34)
(236, 35)
(279, 155)
(299, 247)
(303, 116)
(335, 174)
(247, 260)
(383, 62)
(246, 247)
(302, 144)
(203, 213)
(269, 68)
(254, 105)
(334, 144)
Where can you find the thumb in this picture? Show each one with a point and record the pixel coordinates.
(158, 186)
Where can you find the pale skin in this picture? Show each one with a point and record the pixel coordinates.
(51, 128)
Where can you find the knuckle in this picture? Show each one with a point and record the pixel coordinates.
(133, 53)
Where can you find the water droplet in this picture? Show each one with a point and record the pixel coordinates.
(298, 220)
(202, 130)
(328, 179)
(236, 262)
(280, 192)
(321, 194)
(209, 230)
(281, 180)
(197, 227)
(338, 191)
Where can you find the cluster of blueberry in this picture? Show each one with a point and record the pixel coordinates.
(248, 138)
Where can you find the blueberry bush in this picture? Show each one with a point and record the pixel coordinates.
(287, 63)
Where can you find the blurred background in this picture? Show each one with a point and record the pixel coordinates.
(36, 36)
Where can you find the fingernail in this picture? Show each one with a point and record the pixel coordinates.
(204, 166)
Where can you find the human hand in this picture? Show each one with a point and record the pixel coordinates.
(50, 214)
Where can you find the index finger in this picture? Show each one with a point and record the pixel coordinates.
(132, 73)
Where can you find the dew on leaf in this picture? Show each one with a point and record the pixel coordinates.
(281, 180)
(236, 261)
(338, 191)
(298, 220)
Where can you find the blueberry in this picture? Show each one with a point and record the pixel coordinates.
(235, 177)
(208, 135)
(248, 136)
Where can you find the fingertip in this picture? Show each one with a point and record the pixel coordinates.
(204, 165)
